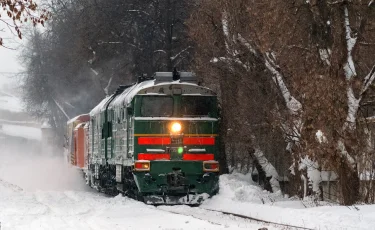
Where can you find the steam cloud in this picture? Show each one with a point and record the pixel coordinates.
(33, 167)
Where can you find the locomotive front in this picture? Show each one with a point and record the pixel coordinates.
(175, 147)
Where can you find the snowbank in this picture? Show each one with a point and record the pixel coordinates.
(10, 102)
(239, 195)
(22, 131)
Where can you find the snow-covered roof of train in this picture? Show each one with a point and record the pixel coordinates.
(81, 117)
(99, 107)
(152, 87)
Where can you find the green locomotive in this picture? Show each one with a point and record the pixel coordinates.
(156, 141)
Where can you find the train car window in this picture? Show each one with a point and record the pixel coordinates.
(157, 106)
(196, 106)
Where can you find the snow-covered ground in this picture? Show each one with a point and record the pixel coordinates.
(239, 195)
(21, 131)
(9, 102)
(39, 191)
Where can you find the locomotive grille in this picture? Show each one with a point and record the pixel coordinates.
(176, 180)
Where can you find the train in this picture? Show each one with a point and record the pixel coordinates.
(155, 141)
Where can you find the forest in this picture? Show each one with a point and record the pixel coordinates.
(295, 78)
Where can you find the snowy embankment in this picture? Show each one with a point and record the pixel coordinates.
(21, 131)
(239, 195)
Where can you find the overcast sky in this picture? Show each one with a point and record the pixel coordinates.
(8, 57)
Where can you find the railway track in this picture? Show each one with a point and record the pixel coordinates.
(260, 220)
(223, 218)
(228, 219)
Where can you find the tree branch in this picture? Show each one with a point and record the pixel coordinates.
(369, 79)
(349, 67)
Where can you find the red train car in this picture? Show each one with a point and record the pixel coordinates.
(76, 144)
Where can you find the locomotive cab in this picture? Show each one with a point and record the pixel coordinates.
(175, 142)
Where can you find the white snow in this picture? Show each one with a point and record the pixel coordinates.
(325, 54)
(313, 173)
(238, 194)
(320, 136)
(46, 125)
(10, 103)
(21, 131)
(224, 21)
(269, 169)
(99, 107)
(349, 67)
(294, 106)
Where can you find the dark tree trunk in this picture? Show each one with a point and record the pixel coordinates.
(222, 145)
(349, 184)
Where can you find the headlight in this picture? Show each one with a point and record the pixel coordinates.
(142, 166)
(176, 127)
(210, 166)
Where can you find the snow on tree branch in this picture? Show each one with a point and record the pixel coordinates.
(61, 108)
(247, 44)
(224, 21)
(230, 52)
(107, 87)
(293, 104)
(325, 55)
(349, 67)
(230, 61)
(353, 105)
(181, 52)
(345, 153)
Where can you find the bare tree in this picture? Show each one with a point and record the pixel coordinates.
(309, 52)
(91, 47)
(19, 12)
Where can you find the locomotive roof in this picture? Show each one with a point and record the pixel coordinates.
(99, 107)
(152, 87)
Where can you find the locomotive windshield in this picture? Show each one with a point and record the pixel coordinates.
(196, 106)
(157, 106)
